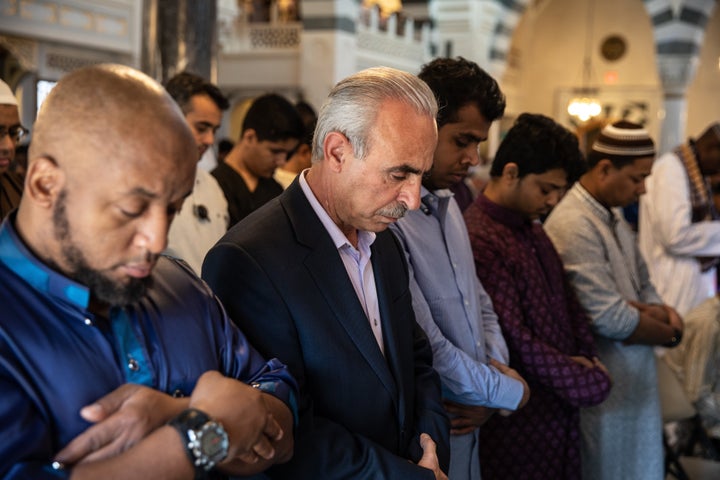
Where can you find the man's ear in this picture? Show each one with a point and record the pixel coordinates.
(44, 181)
(335, 148)
(249, 135)
(511, 172)
(604, 166)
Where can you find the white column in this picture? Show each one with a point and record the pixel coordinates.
(679, 28)
(328, 48)
(676, 73)
(674, 123)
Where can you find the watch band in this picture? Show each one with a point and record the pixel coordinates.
(205, 441)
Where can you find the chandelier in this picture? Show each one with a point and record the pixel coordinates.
(584, 105)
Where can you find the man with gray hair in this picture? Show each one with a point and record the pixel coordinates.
(11, 132)
(315, 278)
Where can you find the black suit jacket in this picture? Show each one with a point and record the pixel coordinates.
(283, 282)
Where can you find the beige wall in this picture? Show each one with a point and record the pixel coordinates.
(704, 93)
(548, 49)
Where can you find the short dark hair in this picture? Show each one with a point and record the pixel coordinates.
(458, 82)
(185, 85)
(225, 145)
(273, 118)
(307, 113)
(309, 117)
(537, 144)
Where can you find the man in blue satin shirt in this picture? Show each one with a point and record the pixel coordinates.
(103, 341)
(450, 304)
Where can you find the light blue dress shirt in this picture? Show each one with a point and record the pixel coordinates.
(452, 306)
(456, 313)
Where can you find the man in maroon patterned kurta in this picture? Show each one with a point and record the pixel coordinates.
(546, 329)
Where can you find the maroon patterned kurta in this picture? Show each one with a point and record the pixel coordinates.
(544, 325)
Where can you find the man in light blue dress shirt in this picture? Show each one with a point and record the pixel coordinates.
(450, 304)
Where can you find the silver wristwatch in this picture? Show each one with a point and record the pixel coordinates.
(206, 442)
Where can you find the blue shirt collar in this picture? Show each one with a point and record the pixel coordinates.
(18, 258)
(435, 202)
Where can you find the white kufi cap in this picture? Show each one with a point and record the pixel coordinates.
(6, 95)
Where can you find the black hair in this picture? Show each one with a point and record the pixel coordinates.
(225, 145)
(537, 144)
(185, 85)
(273, 118)
(458, 82)
(307, 113)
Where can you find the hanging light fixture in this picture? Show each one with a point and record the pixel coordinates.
(584, 104)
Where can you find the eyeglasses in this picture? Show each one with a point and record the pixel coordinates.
(16, 132)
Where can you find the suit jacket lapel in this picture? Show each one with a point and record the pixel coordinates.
(325, 266)
(392, 345)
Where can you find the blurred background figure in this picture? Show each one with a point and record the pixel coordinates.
(11, 132)
(224, 147)
(271, 130)
(203, 218)
(679, 232)
(299, 160)
(19, 165)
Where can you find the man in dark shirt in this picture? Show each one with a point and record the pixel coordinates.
(546, 330)
(271, 130)
(10, 134)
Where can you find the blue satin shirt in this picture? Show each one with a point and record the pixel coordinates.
(56, 356)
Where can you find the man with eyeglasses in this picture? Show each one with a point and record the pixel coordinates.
(11, 132)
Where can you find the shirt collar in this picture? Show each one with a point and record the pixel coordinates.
(435, 202)
(596, 207)
(365, 239)
(501, 214)
(18, 258)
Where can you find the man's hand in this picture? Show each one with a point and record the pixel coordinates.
(466, 418)
(429, 459)
(584, 361)
(662, 313)
(658, 325)
(655, 311)
(512, 373)
(122, 418)
(246, 415)
(601, 366)
(594, 363)
(674, 319)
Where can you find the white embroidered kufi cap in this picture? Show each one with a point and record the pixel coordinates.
(625, 139)
(6, 95)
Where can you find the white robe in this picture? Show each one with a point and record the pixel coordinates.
(670, 242)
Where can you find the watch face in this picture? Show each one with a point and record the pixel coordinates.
(213, 441)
